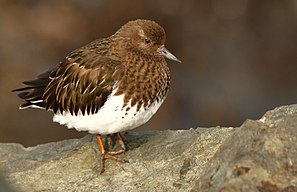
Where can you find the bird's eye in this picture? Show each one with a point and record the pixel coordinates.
(147, 41)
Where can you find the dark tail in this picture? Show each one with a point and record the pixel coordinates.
(33, 92)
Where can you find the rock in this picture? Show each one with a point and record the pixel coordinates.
(261, 155)
(167, 160)
(4, 187)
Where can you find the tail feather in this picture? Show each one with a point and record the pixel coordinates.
(32, 93)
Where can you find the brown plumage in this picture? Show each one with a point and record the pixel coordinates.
(87, 75)
(131, 63)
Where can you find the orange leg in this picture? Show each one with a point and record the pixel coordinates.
(109, 142)
(107, 155)
(121, 141)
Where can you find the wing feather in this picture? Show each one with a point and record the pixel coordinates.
(76, 88)
(82, 82)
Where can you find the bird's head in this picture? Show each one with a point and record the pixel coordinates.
(147, 37)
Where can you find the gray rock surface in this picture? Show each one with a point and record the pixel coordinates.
(261, 155)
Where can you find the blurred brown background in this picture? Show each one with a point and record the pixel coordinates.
(239, 57)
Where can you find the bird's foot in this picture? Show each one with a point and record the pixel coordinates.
(111, 154)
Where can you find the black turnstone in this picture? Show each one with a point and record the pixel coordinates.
(109, 86)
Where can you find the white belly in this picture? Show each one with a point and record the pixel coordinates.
(111, 118)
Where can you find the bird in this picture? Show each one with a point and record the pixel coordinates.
(108, 86)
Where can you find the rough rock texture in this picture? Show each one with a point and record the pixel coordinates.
(260, 155)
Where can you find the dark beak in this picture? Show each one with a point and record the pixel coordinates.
(163, 51)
